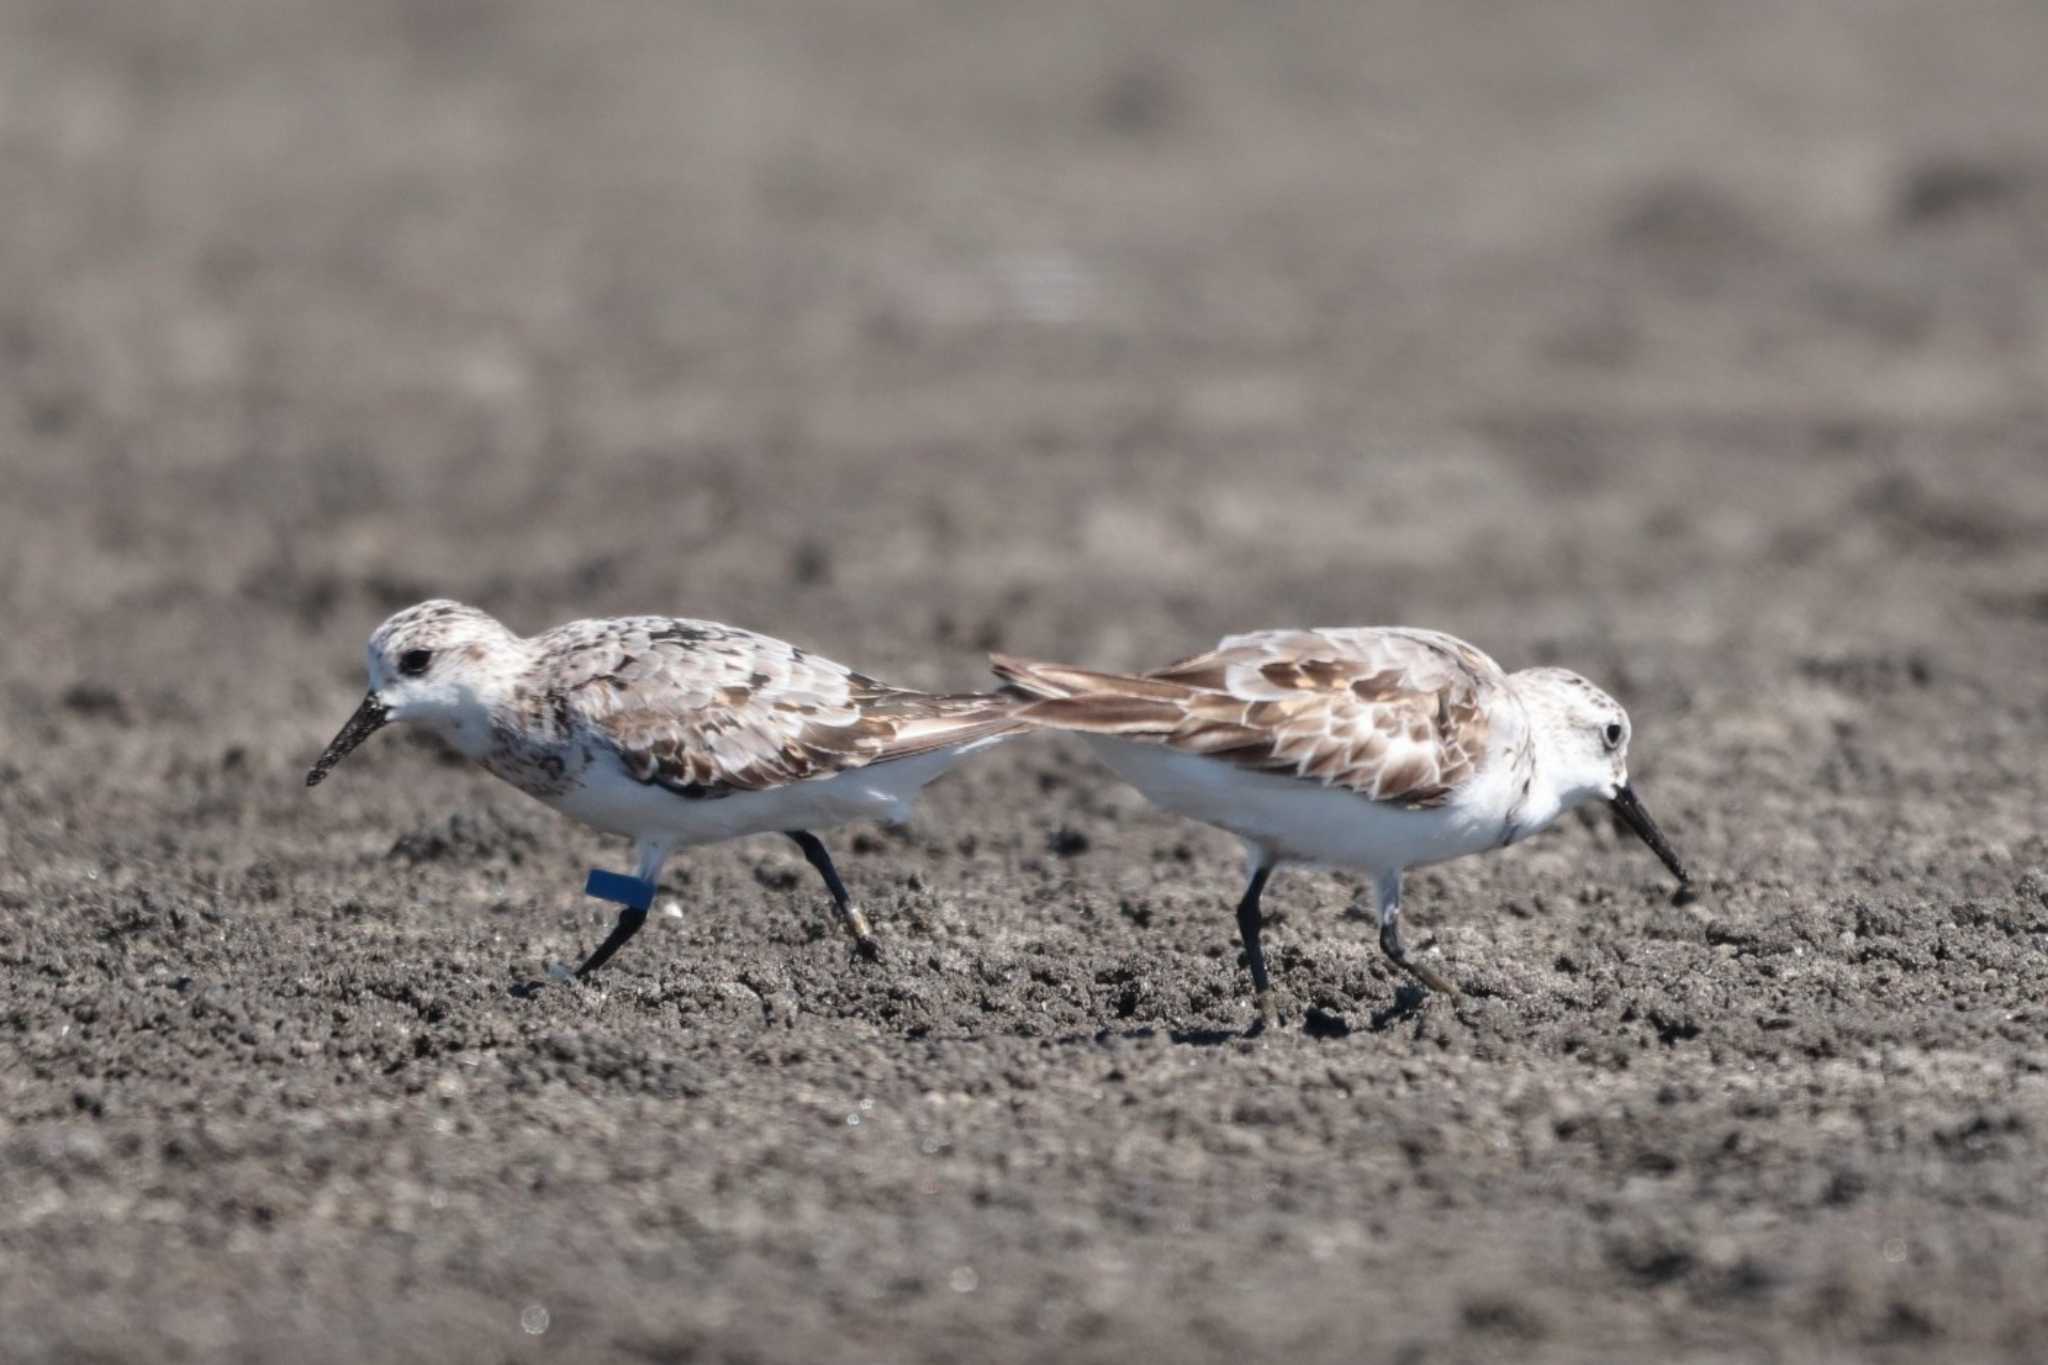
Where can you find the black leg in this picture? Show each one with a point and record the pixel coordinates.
(849, 914)
(1397, 953)
(629, 924)
(1249, 923)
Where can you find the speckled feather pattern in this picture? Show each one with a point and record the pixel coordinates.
(706, 709)
(1399, 716)
(698, 708)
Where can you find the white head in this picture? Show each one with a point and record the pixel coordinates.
(438, 664)
(1581, 734)
(1582, 737)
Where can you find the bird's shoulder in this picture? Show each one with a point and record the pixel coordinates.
(709, 709)
(1394, 714)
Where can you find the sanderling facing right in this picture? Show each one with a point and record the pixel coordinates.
(1378, 748)
(670, 731)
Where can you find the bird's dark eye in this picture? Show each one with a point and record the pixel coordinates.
(414, 662)
(1613, 734)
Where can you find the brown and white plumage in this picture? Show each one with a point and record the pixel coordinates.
(671, 731)
(708, 710)
(1381, 748)
(1400, 716)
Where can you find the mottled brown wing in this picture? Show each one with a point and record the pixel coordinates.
(1394, 715)
(708, 710)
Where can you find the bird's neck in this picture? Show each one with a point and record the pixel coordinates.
(490, 687)
(1536, 800)
(1535, 808)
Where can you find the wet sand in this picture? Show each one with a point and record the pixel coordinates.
(1698, 348)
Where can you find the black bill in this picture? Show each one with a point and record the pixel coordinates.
(368, 720)
(1630, 808)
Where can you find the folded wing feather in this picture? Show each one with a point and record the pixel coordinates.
(1394, 715)
(708, 710)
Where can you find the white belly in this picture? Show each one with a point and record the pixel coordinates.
(609, 800)
(1300, 821)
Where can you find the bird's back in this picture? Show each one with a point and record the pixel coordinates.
(705, 708)
(1389, 713)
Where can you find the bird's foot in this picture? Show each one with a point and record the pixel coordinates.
(1397, 953)
(1431, 978)
(865, 946)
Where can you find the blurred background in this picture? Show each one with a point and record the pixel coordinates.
(1700, 347)
(1222, 315)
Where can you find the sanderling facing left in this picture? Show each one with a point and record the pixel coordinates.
(671, 732)
(1380, 748)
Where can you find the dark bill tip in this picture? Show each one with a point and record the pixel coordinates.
(1630, 807)
(369, 718)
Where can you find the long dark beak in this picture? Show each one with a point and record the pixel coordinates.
(369, 718)
(1630, 807)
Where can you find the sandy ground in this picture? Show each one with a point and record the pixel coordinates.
(1700, 347)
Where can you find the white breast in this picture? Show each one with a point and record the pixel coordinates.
(1303, 822)
(606, 798)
